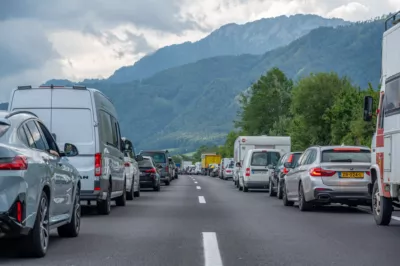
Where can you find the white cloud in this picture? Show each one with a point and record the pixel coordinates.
(90, 39)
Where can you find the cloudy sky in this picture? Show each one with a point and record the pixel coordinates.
(78, 39)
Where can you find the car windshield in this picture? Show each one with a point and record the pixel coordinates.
(145, 163)
(158, 157)
(343, 155)
(265, 158)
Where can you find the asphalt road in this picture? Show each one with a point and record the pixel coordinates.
(223, 227)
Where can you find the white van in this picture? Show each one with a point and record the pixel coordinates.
(87, 118)
(245, 143)
(257, 168)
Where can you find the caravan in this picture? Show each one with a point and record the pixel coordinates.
(245, 143)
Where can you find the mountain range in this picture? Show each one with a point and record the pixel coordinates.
(183, 95)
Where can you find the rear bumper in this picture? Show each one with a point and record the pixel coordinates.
(92, 195)
(148, 184)
(256, 184)
(348, 197)
(9, 227)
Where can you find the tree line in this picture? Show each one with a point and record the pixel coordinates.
(318, 109)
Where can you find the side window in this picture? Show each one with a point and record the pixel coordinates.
(133, 152)
(22, 135)
(312, 157)
(106, 127)
(49, 138)
(303, 158)
(119, 135)
(38, 141)
(115, 133)
(392, 93)
(282, 160)
(381, 112)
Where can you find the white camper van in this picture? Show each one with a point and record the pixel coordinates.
(245, 143)
(87, 118)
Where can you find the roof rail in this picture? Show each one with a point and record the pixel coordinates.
(28, 87)
(394, 19)
(78, 87)
(19, 112)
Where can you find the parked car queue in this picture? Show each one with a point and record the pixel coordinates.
(321, 175)
(61, 147)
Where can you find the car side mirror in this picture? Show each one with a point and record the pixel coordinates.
(139, 158)
(237, 164)
(70, 150)
(368, 105)
(159, 166)
(288, 165)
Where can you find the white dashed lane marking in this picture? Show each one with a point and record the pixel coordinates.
(212, 256)
(202, 199)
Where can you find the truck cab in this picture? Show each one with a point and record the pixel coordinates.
(385, 172)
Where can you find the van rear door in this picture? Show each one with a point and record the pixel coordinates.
(73, 122)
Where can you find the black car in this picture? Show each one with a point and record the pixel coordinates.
(276, 182)
(161, 158)
(149, 174)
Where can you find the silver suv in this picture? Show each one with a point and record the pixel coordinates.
(39, 188)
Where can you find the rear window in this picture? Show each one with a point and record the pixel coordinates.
(3, 128)
(343, 155)
(265, 158)
(295, 158)
(158, 157)
(73, 126)
(145, 163)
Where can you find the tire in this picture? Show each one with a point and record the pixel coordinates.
(167, 183)
(72, 228)
(121, 200)
(381, 207)
(157, 188)
(36, 243)
(285, 200)
(271, 191)
(130, 194)
(136, 194)
(279, 194)
(104, 206)
(245, 189)
(239, 186)
(303, 204)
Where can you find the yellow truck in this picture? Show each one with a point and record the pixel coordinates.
(207, 159)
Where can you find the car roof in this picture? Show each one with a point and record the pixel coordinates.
(340, 146)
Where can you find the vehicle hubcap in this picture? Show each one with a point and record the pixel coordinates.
(44, 224)
(377, 203)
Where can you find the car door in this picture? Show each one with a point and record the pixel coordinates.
(37, 142)
(65, 172)
(292, 177)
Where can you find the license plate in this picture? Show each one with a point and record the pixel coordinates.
(260, 172)
(352, 175)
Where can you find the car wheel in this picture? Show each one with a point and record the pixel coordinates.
(279, 192)
(303, 204)
(157, 188)
(130, 194)
(136, 194)
(121, 200)
(104, 206)
(167, 183)
(285, 200)
(271, 191)
(72, 228)
(381, 207)
(36, 243)
(245, 189)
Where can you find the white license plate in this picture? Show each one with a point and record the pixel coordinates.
(260, 172)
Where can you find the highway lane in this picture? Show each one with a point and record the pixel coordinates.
(200, 220)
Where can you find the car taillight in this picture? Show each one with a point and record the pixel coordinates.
(285, 170)
(16, 163)
(166, 168)
(228, 171)
(290, 159)
(19, 211)
(321, 172)
(247, 171)
(97, 164)
(127, 164)
(368, 173)
(152, 171)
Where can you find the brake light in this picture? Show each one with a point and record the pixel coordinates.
(347, 149)
(264, 151)
(368, 173)
(97, 188)
(166, 168)
(290, 159)
(152, 171)
(19, 211)
(285, 170)
(17, 163)
(127, 164)
(228, 171)
(321, 172)
(247, 171)
(97, 164)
